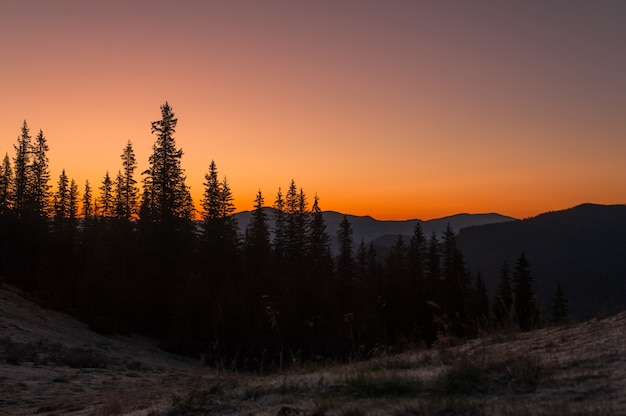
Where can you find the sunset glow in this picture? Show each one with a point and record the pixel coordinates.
(392, 109)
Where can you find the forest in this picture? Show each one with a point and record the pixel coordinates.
(134, 256)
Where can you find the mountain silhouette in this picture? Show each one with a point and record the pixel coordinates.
(583, 248)
(384, 232)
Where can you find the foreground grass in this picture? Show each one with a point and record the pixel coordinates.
(555, 371)
(420, 383)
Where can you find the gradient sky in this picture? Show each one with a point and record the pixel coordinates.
(395, 109)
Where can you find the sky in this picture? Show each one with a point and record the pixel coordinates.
(395, 109)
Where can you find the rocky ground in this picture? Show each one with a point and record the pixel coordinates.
(51, 364)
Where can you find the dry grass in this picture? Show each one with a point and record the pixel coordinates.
(52, 365)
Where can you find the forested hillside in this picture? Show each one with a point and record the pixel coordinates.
(583, 248)
(127, 255)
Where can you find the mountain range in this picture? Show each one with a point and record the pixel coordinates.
(384, 232)
(583, 248)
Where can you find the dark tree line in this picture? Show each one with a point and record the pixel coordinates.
(132, 259)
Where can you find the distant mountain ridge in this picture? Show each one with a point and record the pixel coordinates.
(369, 229)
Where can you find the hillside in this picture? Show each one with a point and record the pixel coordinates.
(50, 364)
(583, 247)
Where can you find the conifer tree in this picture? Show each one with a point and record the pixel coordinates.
(455, 283)
(22, 171)
(73, 197)
(106, 201)
(432, 269)
(6, 186)
(416, 255)
(296, 231)
(167, 197)
(128, 190)
(257, 244)
(40, 194)
(479, 302)
(280, 231)
(345, 261)
(87, 208)
(524, 302)
(319, 255)
(62, 199)
(559, 309)
(503, 297)
(218, 225)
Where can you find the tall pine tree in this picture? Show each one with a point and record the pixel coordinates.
(166, 197)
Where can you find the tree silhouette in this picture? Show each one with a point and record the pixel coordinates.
(6, 186)
(296, 231)
(40, 195)
(559, 309)
(319, 255)
(503, 297)
(127, 192)
(106, 201)
(22, 171)
(62, 199)
(166, 197)
(218, 224)
(345, 261)
(524, 302)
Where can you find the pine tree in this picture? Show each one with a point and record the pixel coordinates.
(73, 197)
(296, 227)
(345, 261)
(479, 303)
(524, 302)
(128, 191)
(503, 297)
(87, 209)
(40, 194)
(416, 255)
(62, 200)
(218, 225)
(319, 255)
(118, 197)
(22, 171)
(432, 269)
(106, 201)
(167, 197)
(559, 309)
(257, 244)
(280, 230)
(6, 186)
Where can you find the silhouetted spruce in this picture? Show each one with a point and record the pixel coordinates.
(345, 261)
(106, 200)
(257, 246)
(39, 198)
(280, 229)
(524, 302)
(127, 192)
(455, 283)
(559, 309)
(296, 231)
(479, 304)
(219, 228)
(22, 170)
(6, 187)
(166, 197)
(503, 297)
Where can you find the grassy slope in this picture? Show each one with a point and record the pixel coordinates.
(51, 364)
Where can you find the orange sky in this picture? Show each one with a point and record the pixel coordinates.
(394, 109)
